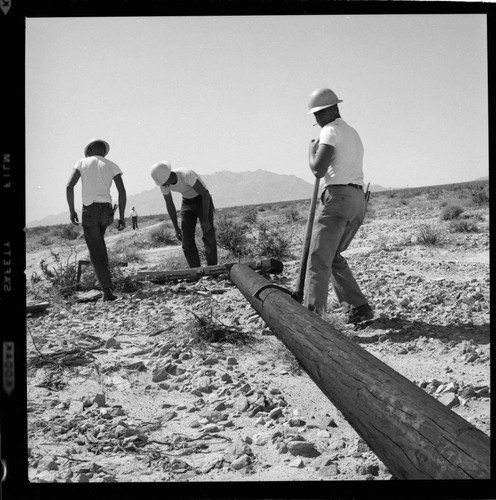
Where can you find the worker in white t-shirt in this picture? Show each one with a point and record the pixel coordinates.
(134, 217)
(97, 173)
(337, 156)
(196, 204)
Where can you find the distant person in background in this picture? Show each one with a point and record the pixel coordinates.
(196, 204)
(338, 157)
(134, 217)
(97, 173)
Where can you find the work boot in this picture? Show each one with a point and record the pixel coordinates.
(359, 314)
(108, 295)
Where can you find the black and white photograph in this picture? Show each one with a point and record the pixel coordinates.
(257, 249)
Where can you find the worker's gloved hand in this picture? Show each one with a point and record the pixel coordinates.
(121, 224)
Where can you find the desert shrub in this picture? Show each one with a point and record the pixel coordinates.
(463, 226)
(45, 240)
(176, 262)
(68, 232)
(293, 214)
(451, 212)
(129, 249)
(162, 235)
(433, 194)
(232, 235)
(428, 234)
(272, 242)
(128, 253)
(250, 215)
(141, 243)
(477, 217)
(61, 275)
(480, 196)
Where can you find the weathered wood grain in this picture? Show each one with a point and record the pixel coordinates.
(415, 436)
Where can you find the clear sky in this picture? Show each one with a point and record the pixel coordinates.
(231, 93)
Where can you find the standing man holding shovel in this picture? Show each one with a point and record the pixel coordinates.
(337, 156)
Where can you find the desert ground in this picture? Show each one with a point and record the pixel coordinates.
(141, 389)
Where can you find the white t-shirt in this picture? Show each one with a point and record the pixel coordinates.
(186, 179)
(133, 213)
(97, 173)
(347, 162)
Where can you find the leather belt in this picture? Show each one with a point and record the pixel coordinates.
(358, 186)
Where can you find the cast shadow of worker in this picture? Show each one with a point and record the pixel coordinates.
(402, 330)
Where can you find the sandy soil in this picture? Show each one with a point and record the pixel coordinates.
(136, 397)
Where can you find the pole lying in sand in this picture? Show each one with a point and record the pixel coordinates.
(415, 435)
(195, 273)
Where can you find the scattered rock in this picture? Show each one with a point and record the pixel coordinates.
(241, 403)
(297, 463)
(48, 463)
(168, 415)
(260, 439)
(236, 450)
(329, 471)
(296, 422)
(372, 469)
(275, 413)
(159, 374)
(449, 399)
(323, 461)
(112, 343)
(210, 361)
(241, 462)
(76, 406)
(303, 449)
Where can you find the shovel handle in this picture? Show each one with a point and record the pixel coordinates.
(300, 281)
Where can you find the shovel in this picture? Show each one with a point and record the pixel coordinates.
(300, 282)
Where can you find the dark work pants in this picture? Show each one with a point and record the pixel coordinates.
(96, 218)
(191, 211)
(135, 222)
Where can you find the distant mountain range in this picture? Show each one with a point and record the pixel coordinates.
(228, 189)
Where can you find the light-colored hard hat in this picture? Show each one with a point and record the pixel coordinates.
(160, 172)
(322, 98)
(94, 141)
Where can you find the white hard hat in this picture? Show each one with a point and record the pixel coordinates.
(94, 141)
(160, 172)
(322, 98)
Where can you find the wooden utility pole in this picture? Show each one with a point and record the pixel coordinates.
(196, 273)
(414, 435)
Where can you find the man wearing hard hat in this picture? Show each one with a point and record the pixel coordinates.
(337, 156)
(97, 173)
(196, 204)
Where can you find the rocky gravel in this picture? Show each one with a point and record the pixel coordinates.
(129, 390)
